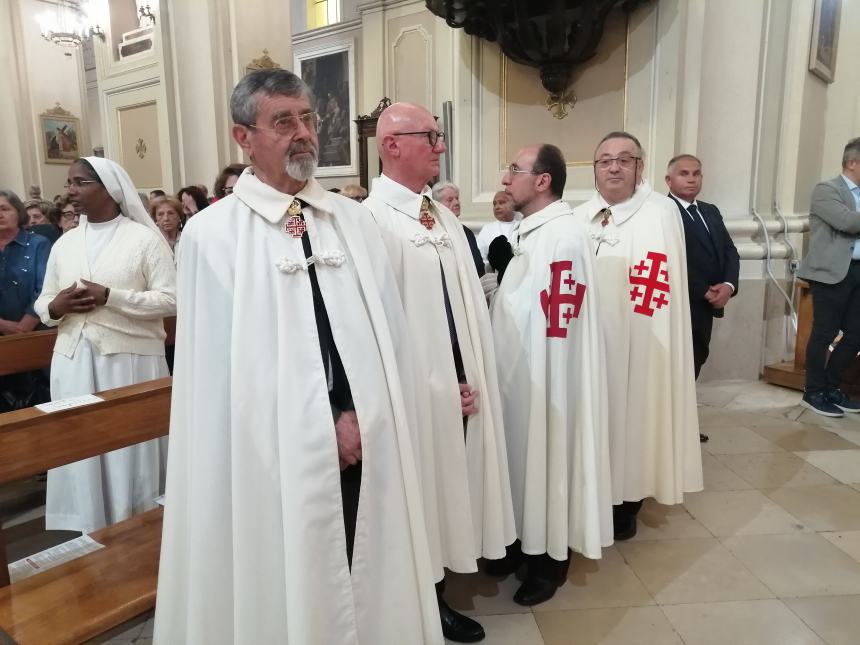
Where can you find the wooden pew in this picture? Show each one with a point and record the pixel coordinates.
(32, 351)
(81, 599)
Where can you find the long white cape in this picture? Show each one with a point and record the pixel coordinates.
(641, 268)
(254, 545)
(466, 487)
(550, 356)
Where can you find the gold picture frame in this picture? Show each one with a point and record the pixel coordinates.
(825, 37)
(60, 132)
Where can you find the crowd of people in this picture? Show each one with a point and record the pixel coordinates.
(367, 396)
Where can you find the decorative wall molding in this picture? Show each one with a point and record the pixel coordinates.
(322, 32)
(402, 35)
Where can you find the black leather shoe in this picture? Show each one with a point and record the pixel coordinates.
(625, 527)
(535, 591)
(457, 627)
(703, 438)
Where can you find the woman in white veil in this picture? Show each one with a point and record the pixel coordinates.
(108, 286)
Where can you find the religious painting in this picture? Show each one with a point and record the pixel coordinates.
(825, 35)
(330, 73)
(60, 131)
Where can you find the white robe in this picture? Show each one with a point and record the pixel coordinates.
(641, 269)
(493, 230)
(466, 485)
(254, 547)
(93, 493)
(551, 372)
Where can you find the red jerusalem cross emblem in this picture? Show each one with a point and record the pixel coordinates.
(560, 307)
(296, 226)
(650, 277)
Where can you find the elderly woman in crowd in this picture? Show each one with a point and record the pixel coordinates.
(23, 256)
(449, 195)
(108, 286)
(69, 214)
(193, 200)
(167, 214)
(227, 178)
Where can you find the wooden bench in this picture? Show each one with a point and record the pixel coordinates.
(26, 352)
(81, 599)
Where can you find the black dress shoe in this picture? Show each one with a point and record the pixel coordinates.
(703, 438)
(457, 627)
(625, 528)
(535, 591)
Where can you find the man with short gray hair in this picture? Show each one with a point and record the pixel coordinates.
(288, 401)
(832, 268)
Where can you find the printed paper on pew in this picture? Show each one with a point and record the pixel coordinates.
(66, 404)
(55, 556)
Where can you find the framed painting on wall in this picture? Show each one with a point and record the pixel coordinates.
(330, 73)
(60, 132)
(825, 36)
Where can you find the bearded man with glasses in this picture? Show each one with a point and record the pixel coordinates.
(294, 510)
(641, 269)
(465, 479)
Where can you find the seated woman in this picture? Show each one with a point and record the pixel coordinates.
(166, 212)
(23, 257)
(108, 286)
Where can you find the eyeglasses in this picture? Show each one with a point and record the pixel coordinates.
(287, 125)
(77, 182)
(514, 169)
(433, 136)
(625, 162)
(69, 215)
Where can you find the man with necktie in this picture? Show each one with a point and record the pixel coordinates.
(832, 268)
(713, 263)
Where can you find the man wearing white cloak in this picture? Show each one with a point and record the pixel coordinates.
(641, 270)
(550, 358)
(465, 483)
(286, 379)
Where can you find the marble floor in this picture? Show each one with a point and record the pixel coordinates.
(767, 554)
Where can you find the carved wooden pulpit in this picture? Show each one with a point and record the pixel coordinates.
(366, 130)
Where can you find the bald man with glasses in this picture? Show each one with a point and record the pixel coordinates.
(467, 495)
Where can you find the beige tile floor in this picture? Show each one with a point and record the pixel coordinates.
(768, 554)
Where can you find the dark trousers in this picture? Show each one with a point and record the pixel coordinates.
(350, 488)
(835, 307)
(702, 320)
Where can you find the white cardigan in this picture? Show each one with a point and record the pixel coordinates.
(138, 268)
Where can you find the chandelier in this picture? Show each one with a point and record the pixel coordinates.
(552, 35)
(69, 24)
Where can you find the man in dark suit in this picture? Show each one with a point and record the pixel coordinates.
(832, 268)
(713, 263)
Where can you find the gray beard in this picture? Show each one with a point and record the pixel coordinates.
(302, 170)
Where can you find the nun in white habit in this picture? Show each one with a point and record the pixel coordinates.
(108, 286)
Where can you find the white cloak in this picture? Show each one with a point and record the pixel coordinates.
(466, 485)
(494, 229)
(550, 357)
(254, 547)
(641, 266)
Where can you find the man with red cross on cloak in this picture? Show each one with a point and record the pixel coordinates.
(551, 373)
(467, 498)
(645, 314)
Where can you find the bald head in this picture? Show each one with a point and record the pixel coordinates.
(403, 137)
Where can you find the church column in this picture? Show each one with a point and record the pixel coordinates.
(18, 168)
